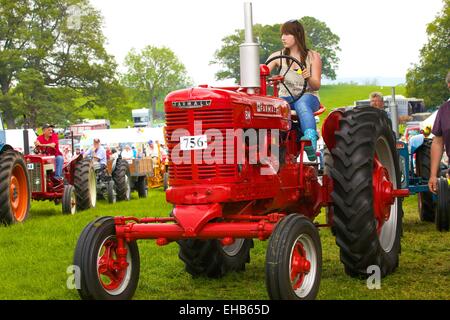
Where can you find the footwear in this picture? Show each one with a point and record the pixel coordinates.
(311, 135)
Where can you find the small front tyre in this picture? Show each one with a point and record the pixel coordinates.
(294, 260)
(96, 261)
(69, 200)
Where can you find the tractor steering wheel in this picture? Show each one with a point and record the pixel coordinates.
(302, 67)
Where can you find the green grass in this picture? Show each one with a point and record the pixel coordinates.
(34, 257)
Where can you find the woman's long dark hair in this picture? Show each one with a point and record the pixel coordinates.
(295, 28)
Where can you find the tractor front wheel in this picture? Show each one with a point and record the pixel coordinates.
(367, 213)
(209, 258)
(294, 260)
(111, 192)
(69, 200)
(15, 191)
(101, 274)
(142, 187)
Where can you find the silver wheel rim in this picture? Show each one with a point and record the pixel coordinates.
(127, 181)
(311, 255)
(126, 279)
(233, 249)
(73, 202)
(92, 187)
(389, 230)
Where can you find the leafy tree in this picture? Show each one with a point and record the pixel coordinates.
(61, 43)
(318, 36)
(153, 73)
(427, 78)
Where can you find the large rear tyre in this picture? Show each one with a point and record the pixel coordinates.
(209, 258)
(368, 226)
(85, 184)
(101, 276)
(294, 260)
(122, 179)
(443, 205)
(426, 204)
(69, 200)
(15, 191)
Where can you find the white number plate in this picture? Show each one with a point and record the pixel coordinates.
(193, 142)
(30, 166)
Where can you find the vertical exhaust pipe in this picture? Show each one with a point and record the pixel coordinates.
(249, 54)
(393, 108)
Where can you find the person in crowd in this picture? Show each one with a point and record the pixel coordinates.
(127, 153)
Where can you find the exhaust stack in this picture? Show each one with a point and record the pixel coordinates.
(249, 54)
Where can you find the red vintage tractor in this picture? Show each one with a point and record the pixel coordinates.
(220, 206)
(76, 193)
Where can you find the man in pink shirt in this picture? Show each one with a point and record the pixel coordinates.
(49, 145)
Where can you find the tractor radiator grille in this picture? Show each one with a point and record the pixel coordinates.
(219, 119)
(35, 177)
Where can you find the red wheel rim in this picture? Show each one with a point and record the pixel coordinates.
(112, 276)
(18, 193)
(300, 266)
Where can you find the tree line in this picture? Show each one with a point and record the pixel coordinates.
(54, 65)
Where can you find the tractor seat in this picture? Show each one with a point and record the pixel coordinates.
(321, 110)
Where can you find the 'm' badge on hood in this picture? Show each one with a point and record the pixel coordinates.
(191, 104)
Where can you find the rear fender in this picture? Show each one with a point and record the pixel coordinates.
(330, 126)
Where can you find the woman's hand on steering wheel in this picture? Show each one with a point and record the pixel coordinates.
(302, 67)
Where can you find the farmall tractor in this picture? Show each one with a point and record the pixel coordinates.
(14, 184)
(76, 193)
(221, 206)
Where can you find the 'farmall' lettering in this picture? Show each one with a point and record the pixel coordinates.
(266, 108)
(191, 104)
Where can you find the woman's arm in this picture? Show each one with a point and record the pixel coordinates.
(274, 63)
(313, 72)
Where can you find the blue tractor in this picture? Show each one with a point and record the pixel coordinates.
(14, 183)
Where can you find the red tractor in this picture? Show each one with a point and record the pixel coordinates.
(221, 206)
(78, 190)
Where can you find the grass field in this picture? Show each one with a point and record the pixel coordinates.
(35, 255)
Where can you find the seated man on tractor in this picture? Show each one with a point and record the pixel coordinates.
(97, 153)
(48, 144)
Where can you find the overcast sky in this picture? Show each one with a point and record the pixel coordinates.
(379, 38)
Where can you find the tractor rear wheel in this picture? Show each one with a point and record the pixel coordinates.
(209, 258)
(294, 260)
(122, 180)
(443, 205)
(367, 218)
(85, 184)
(69, 200)
(15, 191)
(96, 261)
(426, 204)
